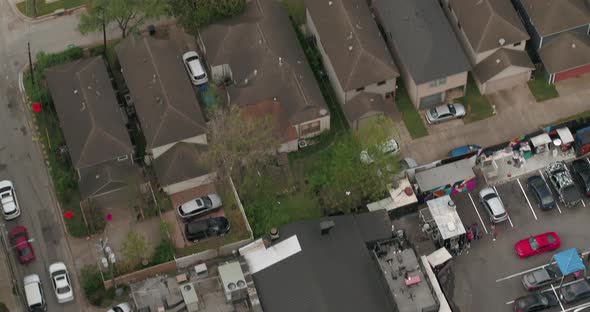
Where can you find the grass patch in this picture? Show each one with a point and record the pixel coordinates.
(541, 90)
(410, 115)
(43, 8)
(477, 105)
(296, 9)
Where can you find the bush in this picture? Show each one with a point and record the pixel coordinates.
(3, 307)
(93, 285)
(164, 252)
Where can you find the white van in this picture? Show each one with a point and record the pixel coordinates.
(34, 293)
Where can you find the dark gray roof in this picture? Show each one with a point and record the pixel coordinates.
(554, 16)
(333, 272)
(266, 60)
(88, 112)
(352, 42)
(425, 42)
(499, 61)
(180, 163)
(107, 177)
(363, 103)
(162, 93)
(566, 51)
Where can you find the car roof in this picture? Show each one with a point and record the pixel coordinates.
(496, 205)
(442, 109)
(541, 275)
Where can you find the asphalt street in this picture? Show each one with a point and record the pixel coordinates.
(21, 160)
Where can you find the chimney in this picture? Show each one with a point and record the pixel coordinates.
(326, 226)
(274, 234)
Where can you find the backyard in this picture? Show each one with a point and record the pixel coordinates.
(44, 7)
(477, 105)
(540, 89)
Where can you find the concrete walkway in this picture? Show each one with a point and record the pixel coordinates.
(517, 114)
(6, 295)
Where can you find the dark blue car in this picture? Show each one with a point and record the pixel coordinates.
(464, 150)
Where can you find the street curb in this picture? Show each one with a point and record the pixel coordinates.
(43, 18)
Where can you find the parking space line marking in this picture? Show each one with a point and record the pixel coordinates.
(480, 219)
(527, 198)
(550, 190)
(533, 269)
(507, 214)
(583, 305)
(583, 204)
(557, 296)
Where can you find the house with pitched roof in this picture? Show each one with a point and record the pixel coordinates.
(259, 57)
(431, 60)
(167, 108)
(494, 40)
(93, 125)
(560, 35)
(354, 55)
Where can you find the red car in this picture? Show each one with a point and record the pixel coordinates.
(19, 239)
(537, 244)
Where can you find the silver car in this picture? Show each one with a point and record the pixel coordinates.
(199, 206)
(444, 113)
(493, 205)
(541, 277)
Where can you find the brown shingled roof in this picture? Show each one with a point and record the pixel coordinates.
(162, 93)
(568, 50)
(180, 163)
(499, 61)
(88, 112)
(283, 130)
(352, 42)
(487, 22)
(554, 16)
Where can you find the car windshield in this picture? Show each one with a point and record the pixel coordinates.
(63, 290)
(489, 196)
(192, 58)
(24, 252)
(433, 112)
(452, 109)
(117, 309)
(207, 201)
(546, 200)
(550, 238)
(534, 244)
(542, 299)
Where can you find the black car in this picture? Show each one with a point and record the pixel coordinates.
(205, 228)
(542, 192)
(574, 292)
(535, 302)
(581, 169)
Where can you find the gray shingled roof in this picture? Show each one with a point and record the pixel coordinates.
(423, 38)
(162, 93)
(499, 61)
(88, 112)
(554, 16)
(352, 42)
(487, 22)
(333, 272)
(266, 60)
(107, 177)
(180, 163)
(363, 103)
(568, 50)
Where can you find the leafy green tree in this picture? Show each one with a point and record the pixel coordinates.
(133, 248)
(127, 14)
(193, 15)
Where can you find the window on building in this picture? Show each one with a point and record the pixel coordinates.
(438, 82)
(360, 89)
(124, 157)
(442, 81)
(310, 128)
(518, 43)
(381, 83)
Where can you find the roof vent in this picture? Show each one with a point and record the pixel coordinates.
(323, 112)
(498, 61)
(502, 41)
(330, 3)
(75, 91)
(280, 61)
(573, 45)
(274, 234)
(326, 226)
(349, 48)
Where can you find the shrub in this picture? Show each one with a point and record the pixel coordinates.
(164, 252)
(3, 307)
(93, 285)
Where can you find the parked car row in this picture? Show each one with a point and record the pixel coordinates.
(544, 300)
(62, 287)
(195, 229)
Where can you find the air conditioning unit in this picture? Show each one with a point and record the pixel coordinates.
(233, 281)
(190, 297)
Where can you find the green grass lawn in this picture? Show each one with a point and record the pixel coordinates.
(477, 105)
(43, 8)
(410, 115)
(540, 88)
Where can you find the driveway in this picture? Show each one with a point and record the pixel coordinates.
(517, 114)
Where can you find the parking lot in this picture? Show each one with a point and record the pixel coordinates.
(488, 276)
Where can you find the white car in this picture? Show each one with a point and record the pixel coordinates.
(194, 67)
(10, 207)
(34, 293)
(121, 307)
(61, 282)
(199, 206)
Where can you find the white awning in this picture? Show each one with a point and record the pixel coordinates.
(540, 140)
(439, 257)
(565, 135)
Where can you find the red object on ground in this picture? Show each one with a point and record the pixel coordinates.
(68, 214)
(36, 107)
(109, 217)
(19, 238)
(535, 245)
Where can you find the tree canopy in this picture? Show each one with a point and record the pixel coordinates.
(127, 14)
(192, 15)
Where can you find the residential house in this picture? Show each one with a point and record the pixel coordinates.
(283, 131)
(431, 60)
(494, 40)
(259, 53)
(354, 55)
(167, 109)
(560, 35)
(343, 263)
(94, 126)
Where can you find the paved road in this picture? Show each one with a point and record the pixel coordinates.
(20, 158)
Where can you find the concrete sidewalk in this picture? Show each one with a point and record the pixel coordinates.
(6, 295)
(517, 114)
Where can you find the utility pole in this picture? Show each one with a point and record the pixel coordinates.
(31, 63)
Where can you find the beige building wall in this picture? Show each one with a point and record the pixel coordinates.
(452, 82)
(511, 76)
